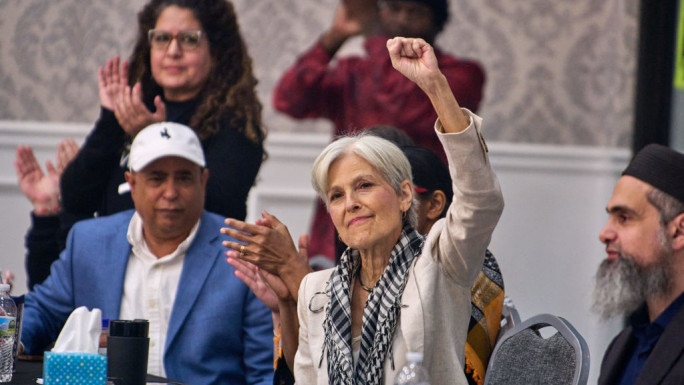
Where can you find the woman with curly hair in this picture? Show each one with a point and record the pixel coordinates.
(189, 65)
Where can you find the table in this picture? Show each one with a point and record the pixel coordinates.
(27, 372)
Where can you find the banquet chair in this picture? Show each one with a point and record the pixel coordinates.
(509, 317)
(522, 356)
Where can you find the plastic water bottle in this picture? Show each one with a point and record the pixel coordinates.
(413, 373)
(8, 320)
(102, 348)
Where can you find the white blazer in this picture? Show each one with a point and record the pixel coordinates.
(437, 294)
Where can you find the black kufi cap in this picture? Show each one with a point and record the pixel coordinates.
(661, 167)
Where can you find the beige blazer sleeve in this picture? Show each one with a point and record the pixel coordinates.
(476, 207)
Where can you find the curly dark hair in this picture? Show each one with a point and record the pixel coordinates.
(231, 88)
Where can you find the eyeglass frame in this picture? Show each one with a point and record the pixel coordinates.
(151, 32)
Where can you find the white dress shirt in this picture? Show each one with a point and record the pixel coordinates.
(150, 289)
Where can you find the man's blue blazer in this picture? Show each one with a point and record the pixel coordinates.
(219, 332)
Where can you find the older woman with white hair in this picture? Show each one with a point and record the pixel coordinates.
(394, 290)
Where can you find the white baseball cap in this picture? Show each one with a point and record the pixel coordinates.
(164, 139)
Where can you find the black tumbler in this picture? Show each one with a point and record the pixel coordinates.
(127, 347)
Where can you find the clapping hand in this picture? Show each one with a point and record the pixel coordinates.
(126, 101)
(67, 150)
(132, 113)
(42, 189)
(112, 80)
(265, 286)
(269, 288)
(346, 22)
(8, 279)
(351, 18)
(267, 245)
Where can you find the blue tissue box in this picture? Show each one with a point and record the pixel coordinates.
(74, 368)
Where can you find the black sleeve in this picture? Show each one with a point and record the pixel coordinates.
(42, 248)
(233, 163)
(84, 181)
(283, 375)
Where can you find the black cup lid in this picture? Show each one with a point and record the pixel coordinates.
(128, 328)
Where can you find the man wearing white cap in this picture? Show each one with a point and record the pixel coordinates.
(162, 262)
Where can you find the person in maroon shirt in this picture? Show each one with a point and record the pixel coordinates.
(358, 92)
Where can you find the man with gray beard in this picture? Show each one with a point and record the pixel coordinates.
(643, 273)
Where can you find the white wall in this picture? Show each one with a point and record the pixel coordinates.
(546, 243)
(547, 240)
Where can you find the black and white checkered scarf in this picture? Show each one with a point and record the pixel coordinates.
(380, 315)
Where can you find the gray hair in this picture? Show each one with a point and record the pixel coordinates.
(382, 154)
(668, 207)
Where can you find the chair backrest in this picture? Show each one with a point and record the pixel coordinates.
(523, 356)
(509, 317)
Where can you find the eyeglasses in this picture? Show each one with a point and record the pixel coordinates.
(188, 40)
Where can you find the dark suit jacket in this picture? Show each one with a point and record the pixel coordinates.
(665, 364)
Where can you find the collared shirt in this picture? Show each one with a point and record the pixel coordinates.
(150, 289)
(647, 335)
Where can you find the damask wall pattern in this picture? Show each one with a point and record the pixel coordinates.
(558, 72)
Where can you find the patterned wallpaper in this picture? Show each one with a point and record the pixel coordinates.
(559, 72)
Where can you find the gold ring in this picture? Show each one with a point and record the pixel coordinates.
(242, 250)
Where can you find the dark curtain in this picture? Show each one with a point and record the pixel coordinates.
(655, 70)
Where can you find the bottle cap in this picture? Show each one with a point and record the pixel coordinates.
(4, 287)
(127, 328)
(414, 356)
(105, 323)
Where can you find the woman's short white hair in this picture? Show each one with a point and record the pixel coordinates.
(380, 153)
